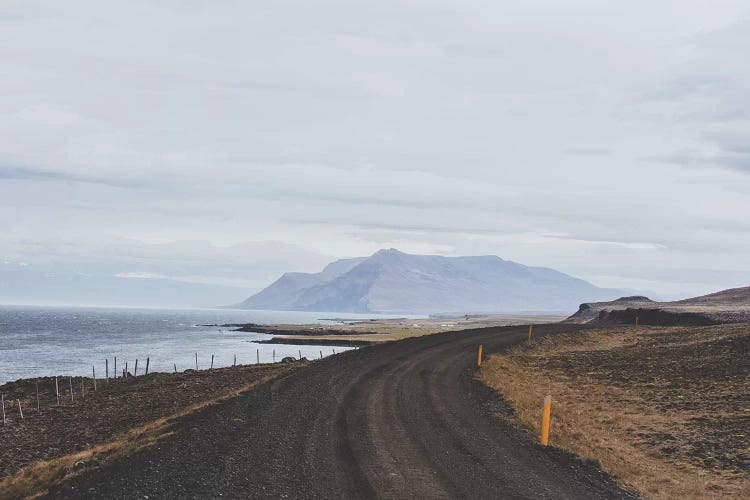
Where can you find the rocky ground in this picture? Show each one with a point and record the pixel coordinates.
(665, 409)
(117, 407)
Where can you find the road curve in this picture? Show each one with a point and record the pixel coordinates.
(400, 420)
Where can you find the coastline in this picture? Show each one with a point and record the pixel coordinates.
(357, 333)
(317, 342)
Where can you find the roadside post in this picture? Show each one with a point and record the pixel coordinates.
(479, 356)
(544, 439)
(531, 331)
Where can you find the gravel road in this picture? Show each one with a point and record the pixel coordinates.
(400, 420)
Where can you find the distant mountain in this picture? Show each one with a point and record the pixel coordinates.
(32, 287)
(726, 306)
(395, 282)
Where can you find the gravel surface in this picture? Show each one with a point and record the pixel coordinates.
(404, 419)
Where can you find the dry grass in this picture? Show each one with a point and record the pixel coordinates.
(622, 398)
(383, 330)
(34, 479)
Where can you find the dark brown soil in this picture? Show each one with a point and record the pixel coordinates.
(697, 377)
(97, 417)
(656, 317)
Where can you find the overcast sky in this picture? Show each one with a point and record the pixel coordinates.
(205, 140)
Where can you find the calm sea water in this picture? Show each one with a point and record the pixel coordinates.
(44, 341)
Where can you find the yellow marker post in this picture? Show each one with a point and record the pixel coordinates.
(479, 356)
(636, 321)
(544, 439)
(531, 330)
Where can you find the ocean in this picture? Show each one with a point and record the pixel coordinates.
(38, 341)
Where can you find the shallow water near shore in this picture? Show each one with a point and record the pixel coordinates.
(38, 341)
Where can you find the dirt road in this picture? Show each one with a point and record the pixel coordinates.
(400, 420)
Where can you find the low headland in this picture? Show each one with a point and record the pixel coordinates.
(356, 333)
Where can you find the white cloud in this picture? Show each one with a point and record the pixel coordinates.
(552, 133)
(143, 276)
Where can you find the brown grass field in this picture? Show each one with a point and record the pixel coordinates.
(666, 410)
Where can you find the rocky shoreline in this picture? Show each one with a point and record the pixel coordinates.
(317, 341)
(287, 330)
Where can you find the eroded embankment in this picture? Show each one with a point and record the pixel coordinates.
(665, 410)
(654, 317)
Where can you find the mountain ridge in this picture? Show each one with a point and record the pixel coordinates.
(391, 281)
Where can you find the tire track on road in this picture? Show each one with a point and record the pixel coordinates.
(405, 419)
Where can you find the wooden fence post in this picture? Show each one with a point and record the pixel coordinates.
(196, 360)
(135, 370)
(19, 408)
(106, 370)
(212, 362)
(37, 396)
(148, 360)
(93, 375)
(2, 400)
(57, 392)
(71, 389)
